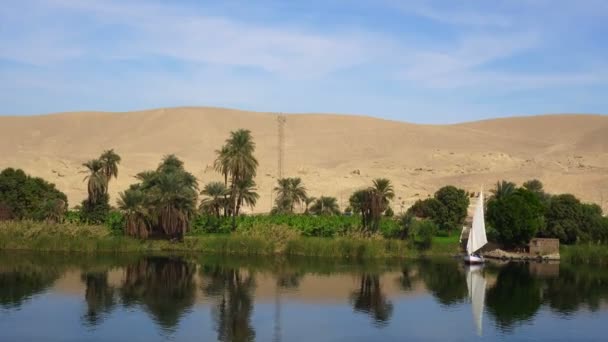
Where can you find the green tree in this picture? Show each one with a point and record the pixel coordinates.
(26, 197)
(534, 185)
(385, 190)
(235, 160)
(138, 218)
(456, 203)
(246, 194)
(325, 206)
(214, 199)
(109, 160)
(97, 181)
(289, 191)
(515, 217)
(571, 221)
(503, 189)
(169, 195)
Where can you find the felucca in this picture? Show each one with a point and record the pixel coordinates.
(477, 234)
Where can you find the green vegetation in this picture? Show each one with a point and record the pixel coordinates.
(23, 197)
(515, 216)
(164, 204)
(590, 254)
(256, 240)
(447, 209)
(96, 206)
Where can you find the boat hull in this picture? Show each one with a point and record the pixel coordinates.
(473, 259)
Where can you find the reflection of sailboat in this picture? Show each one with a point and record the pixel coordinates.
(476, 284)
(477, 234)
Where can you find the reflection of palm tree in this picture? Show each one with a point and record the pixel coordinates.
(234, 302)
(164, 286)
(370, 299)
(99, 296)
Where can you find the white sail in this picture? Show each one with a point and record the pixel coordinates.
(477, 234)
(477, 293)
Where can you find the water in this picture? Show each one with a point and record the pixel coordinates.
(57, 297)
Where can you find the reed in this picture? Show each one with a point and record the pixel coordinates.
(255, 240)
(587, 254)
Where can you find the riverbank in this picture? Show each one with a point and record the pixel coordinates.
(68, 237)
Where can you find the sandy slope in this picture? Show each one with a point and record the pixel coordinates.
(568, 152)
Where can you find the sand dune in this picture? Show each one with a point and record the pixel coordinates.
(569, 153)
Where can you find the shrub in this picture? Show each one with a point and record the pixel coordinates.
(571, 221)
(95, 213)
(115, 221)
(421, 233)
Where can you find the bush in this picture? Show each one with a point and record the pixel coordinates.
(421, 233)
(95, 213)
(115, 221)
(33, 198)
(516, 217)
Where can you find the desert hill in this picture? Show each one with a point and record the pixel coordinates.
(333, 154)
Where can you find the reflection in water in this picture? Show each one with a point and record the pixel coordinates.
(515, 298)
(99, 296)
(19, 284)
(164, 286)
(445, 280)
(576, 287)
(233, 292)
(476, 284)
(370, 299)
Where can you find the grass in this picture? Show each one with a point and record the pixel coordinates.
(260, 240)
(587, 254)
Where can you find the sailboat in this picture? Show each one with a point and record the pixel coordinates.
(477, 234)
(476, 284)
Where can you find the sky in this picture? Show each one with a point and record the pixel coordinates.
(423, 61)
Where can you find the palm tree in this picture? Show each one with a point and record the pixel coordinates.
(503, 189)
(170, 192)
(215, 200)
(308, 201)
(325, 206)
(245, 191)
(290, 191)
(137, 215)
(97, 184)
(110, 161)
(175, 197)
(385, 189)
(235, 160)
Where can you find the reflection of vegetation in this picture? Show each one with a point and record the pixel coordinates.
(164, 286)
(21, 283)
(99, 296)
(370, 299)
(444, 280)
(406, 280)
(576, 287)
(516, 296)
(234, 293)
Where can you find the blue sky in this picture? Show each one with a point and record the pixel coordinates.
(420, 61)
